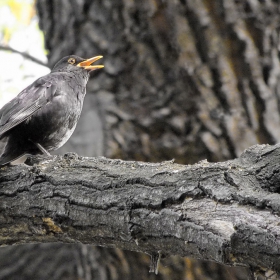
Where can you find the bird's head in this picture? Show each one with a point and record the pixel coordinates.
(75, 63)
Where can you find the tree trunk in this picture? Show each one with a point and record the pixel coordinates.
(183, 79)
(187, 80)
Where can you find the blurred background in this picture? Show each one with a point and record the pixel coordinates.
(185, 80)
(19, 31)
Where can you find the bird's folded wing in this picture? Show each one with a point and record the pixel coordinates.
(29, 101)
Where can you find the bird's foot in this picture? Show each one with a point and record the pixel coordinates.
(35, 159)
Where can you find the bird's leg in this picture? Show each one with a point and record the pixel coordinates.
(44, 151)
(41, 148)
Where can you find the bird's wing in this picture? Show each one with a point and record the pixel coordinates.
(29, 101)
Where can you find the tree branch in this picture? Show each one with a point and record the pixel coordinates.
(24, 54)
(226, 212)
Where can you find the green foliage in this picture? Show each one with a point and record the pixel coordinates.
(16, 14)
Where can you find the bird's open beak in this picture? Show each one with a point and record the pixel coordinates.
(86, 64)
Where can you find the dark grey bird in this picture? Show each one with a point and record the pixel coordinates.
(43, 116)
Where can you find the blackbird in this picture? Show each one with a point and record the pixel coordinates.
(43, 116)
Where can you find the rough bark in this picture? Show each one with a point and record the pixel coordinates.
(224, 212)
(187, 80)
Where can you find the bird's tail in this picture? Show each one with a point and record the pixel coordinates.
(9, 157)
(10, 151)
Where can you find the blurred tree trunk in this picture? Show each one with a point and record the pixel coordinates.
(71, 262)
(182, 79)
(185, 79)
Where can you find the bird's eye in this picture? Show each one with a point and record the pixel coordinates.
(71, 60)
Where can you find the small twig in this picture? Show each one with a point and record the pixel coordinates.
(25, 55)
(155, 259)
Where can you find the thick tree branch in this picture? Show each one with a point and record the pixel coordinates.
(226, 212)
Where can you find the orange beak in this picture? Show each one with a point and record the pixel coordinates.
(86, 64)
